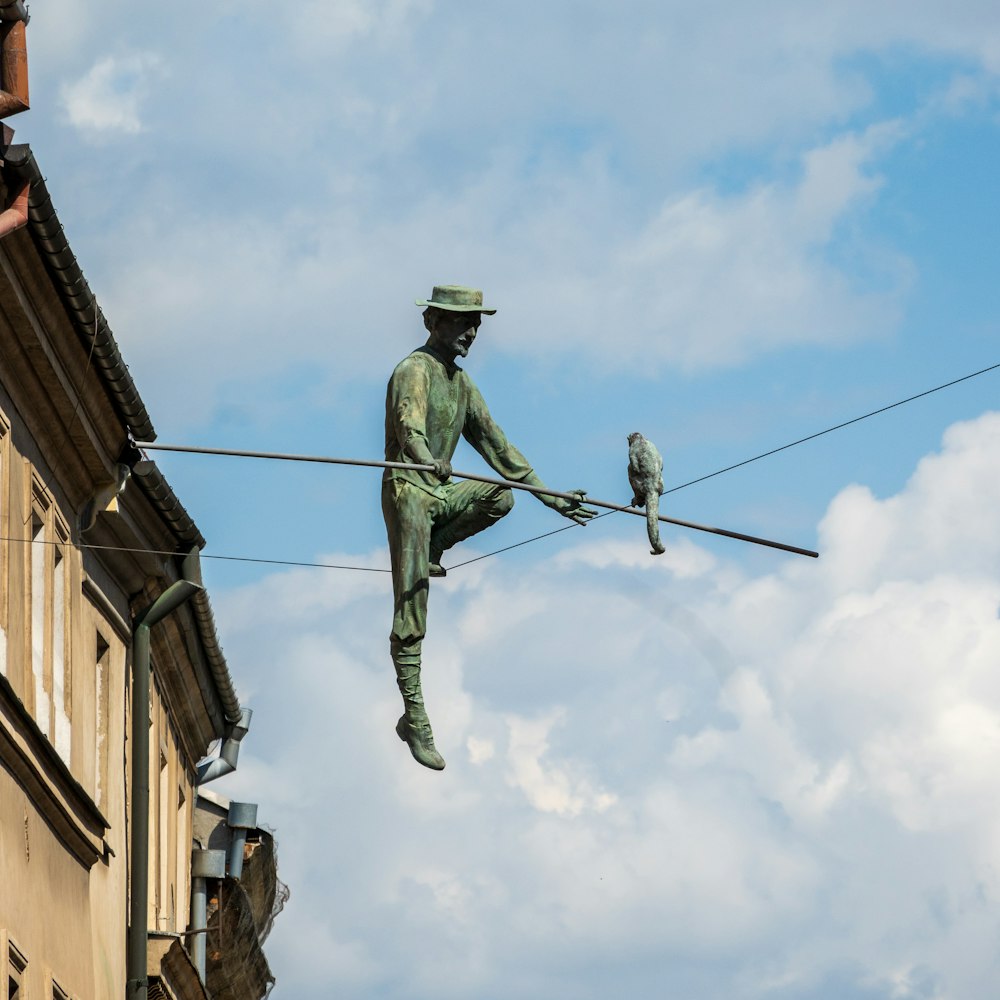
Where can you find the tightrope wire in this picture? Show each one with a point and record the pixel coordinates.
(526, 541)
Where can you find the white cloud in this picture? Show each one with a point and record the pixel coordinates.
(385, 145)
(320, 26)
(108, 98)
(722, 278)
(817, 818)
(548, 788)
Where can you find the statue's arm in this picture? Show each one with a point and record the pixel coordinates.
(485, 435)
(407, 404)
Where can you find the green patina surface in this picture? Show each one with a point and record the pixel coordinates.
(430, 404)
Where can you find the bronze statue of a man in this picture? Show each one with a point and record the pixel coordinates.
(430, 402)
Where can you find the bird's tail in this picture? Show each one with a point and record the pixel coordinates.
(653, 523)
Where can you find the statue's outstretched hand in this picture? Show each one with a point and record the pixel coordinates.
(573, 509)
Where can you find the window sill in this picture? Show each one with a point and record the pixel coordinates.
(59, 798)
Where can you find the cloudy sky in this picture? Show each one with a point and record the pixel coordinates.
(725, 772)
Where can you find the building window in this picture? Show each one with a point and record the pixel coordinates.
(182, 861)
(102, 683)
(39, 551)
(61, 734)
(16, 964)
(49, 622)
(163, 916)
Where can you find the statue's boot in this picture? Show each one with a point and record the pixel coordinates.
(414, 728)
(482, 512)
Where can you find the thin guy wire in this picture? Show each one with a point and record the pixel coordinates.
(547, 534)
(829, 430)
(202, 555)
(535, 538)
(729, 468)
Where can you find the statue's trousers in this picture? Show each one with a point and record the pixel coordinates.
(417, 521)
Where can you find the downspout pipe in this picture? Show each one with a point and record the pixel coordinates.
(229, 752)
(242, 818)
(205, 865)
(137, 984)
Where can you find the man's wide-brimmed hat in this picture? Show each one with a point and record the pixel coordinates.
(456, 298)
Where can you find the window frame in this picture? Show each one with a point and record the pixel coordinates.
(17, 966)
(48, 657)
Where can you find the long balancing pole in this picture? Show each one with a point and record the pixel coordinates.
(511, 484)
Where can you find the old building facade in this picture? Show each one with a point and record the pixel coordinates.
(113, 684)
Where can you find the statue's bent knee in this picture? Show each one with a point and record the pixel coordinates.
(502, 503)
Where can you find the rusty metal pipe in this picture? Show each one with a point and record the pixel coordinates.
(17, 215)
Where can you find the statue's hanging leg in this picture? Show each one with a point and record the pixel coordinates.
(413, 727)
(408, 522)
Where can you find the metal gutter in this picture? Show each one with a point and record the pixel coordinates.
(162, 497)
(151, 481)
(91, 326)
(202, 608)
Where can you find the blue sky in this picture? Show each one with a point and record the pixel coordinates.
(724, 772)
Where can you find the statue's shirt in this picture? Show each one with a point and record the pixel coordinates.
(431, 399)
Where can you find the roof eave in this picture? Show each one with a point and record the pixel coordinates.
(79, 301)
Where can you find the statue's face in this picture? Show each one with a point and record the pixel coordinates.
(454, 332)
